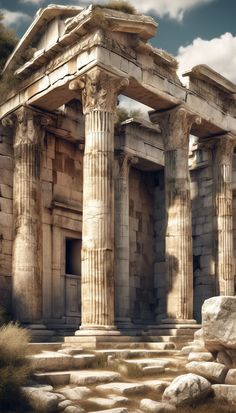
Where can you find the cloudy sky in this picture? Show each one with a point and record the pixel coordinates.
(195, 31)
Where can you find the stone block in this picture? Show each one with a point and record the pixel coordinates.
(214, 372)
(186, 390)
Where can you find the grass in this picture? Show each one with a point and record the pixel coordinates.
(119, 5)
(14, 367)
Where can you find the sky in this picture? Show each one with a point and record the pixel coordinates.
(194, 31)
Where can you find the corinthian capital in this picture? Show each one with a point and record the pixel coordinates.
(224, 146)
(176, 125)
(28, 124)
(125, 161)
(99, 90)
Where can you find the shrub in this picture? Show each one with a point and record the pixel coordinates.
(14, 367)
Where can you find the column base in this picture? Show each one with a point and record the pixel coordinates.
(124, 323)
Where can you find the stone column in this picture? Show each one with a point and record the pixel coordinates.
(27, 282)
(223, 148)
(122, 290)
(176, 125)
(99, 93)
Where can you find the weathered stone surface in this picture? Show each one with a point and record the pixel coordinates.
(225, 392)
(231, 377)
(84, 377)
(63, 404)
(75, 393)
(156, 385)
(116, 410)
(74, 409)
(200, 356)
(186, 389)
(125, 389)
(103, 403)
(219, 327)
(152, 406)
(224, 358)
(41, 400)
(215, 372)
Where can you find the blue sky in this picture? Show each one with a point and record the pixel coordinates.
(194, 31)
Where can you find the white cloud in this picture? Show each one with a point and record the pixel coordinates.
(173, 9)
(218, 53)
(14, 18)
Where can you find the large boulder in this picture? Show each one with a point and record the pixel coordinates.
(186, 390)
(215, 372)
(218, 320)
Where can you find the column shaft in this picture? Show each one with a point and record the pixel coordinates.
(179, 259)
(122, 287)
(98, 222)
(27, 291)
(176, 125)
(223, 155)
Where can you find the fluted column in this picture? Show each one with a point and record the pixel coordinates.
(99, 92)
(27, 282)
(122, 287)
(176, 125)
(223, 206)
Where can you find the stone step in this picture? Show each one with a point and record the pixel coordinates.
(57, 361)
(136, 345)
(135, 353)
(123, 389)
(76, 377)
(35, 348)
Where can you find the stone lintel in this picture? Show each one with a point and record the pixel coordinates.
(208, 75)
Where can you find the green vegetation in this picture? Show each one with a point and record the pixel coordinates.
(14, 367)
(123, 114)
(119, 5)
(8, 41)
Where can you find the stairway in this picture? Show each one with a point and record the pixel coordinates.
(112, 378)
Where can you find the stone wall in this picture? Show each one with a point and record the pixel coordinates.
(142, 245)
(62, 181)
(6, 217)
(203, 223)
(160, 287)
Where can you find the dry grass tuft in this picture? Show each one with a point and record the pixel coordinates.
(119, 5)
(14, 367)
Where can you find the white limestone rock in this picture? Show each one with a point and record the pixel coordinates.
(224, 358)
(74, 409)
(225, 393)
(116, 410)
(186, 389)
(200, 356)
(152, 406)
(218, 319)
(84, 377)
(231, 377)
(75, 393)
(126, 389)
(41, 400)
(215, 372)
(63, 404)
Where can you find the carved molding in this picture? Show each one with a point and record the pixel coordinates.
(99, 90)
(176, 125)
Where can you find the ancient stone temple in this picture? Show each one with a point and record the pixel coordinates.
(105, 229)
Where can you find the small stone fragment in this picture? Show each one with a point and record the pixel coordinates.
(200, 356)
(231, 377)
(152, 406)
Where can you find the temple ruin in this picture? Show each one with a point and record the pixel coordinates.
(113, 231)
